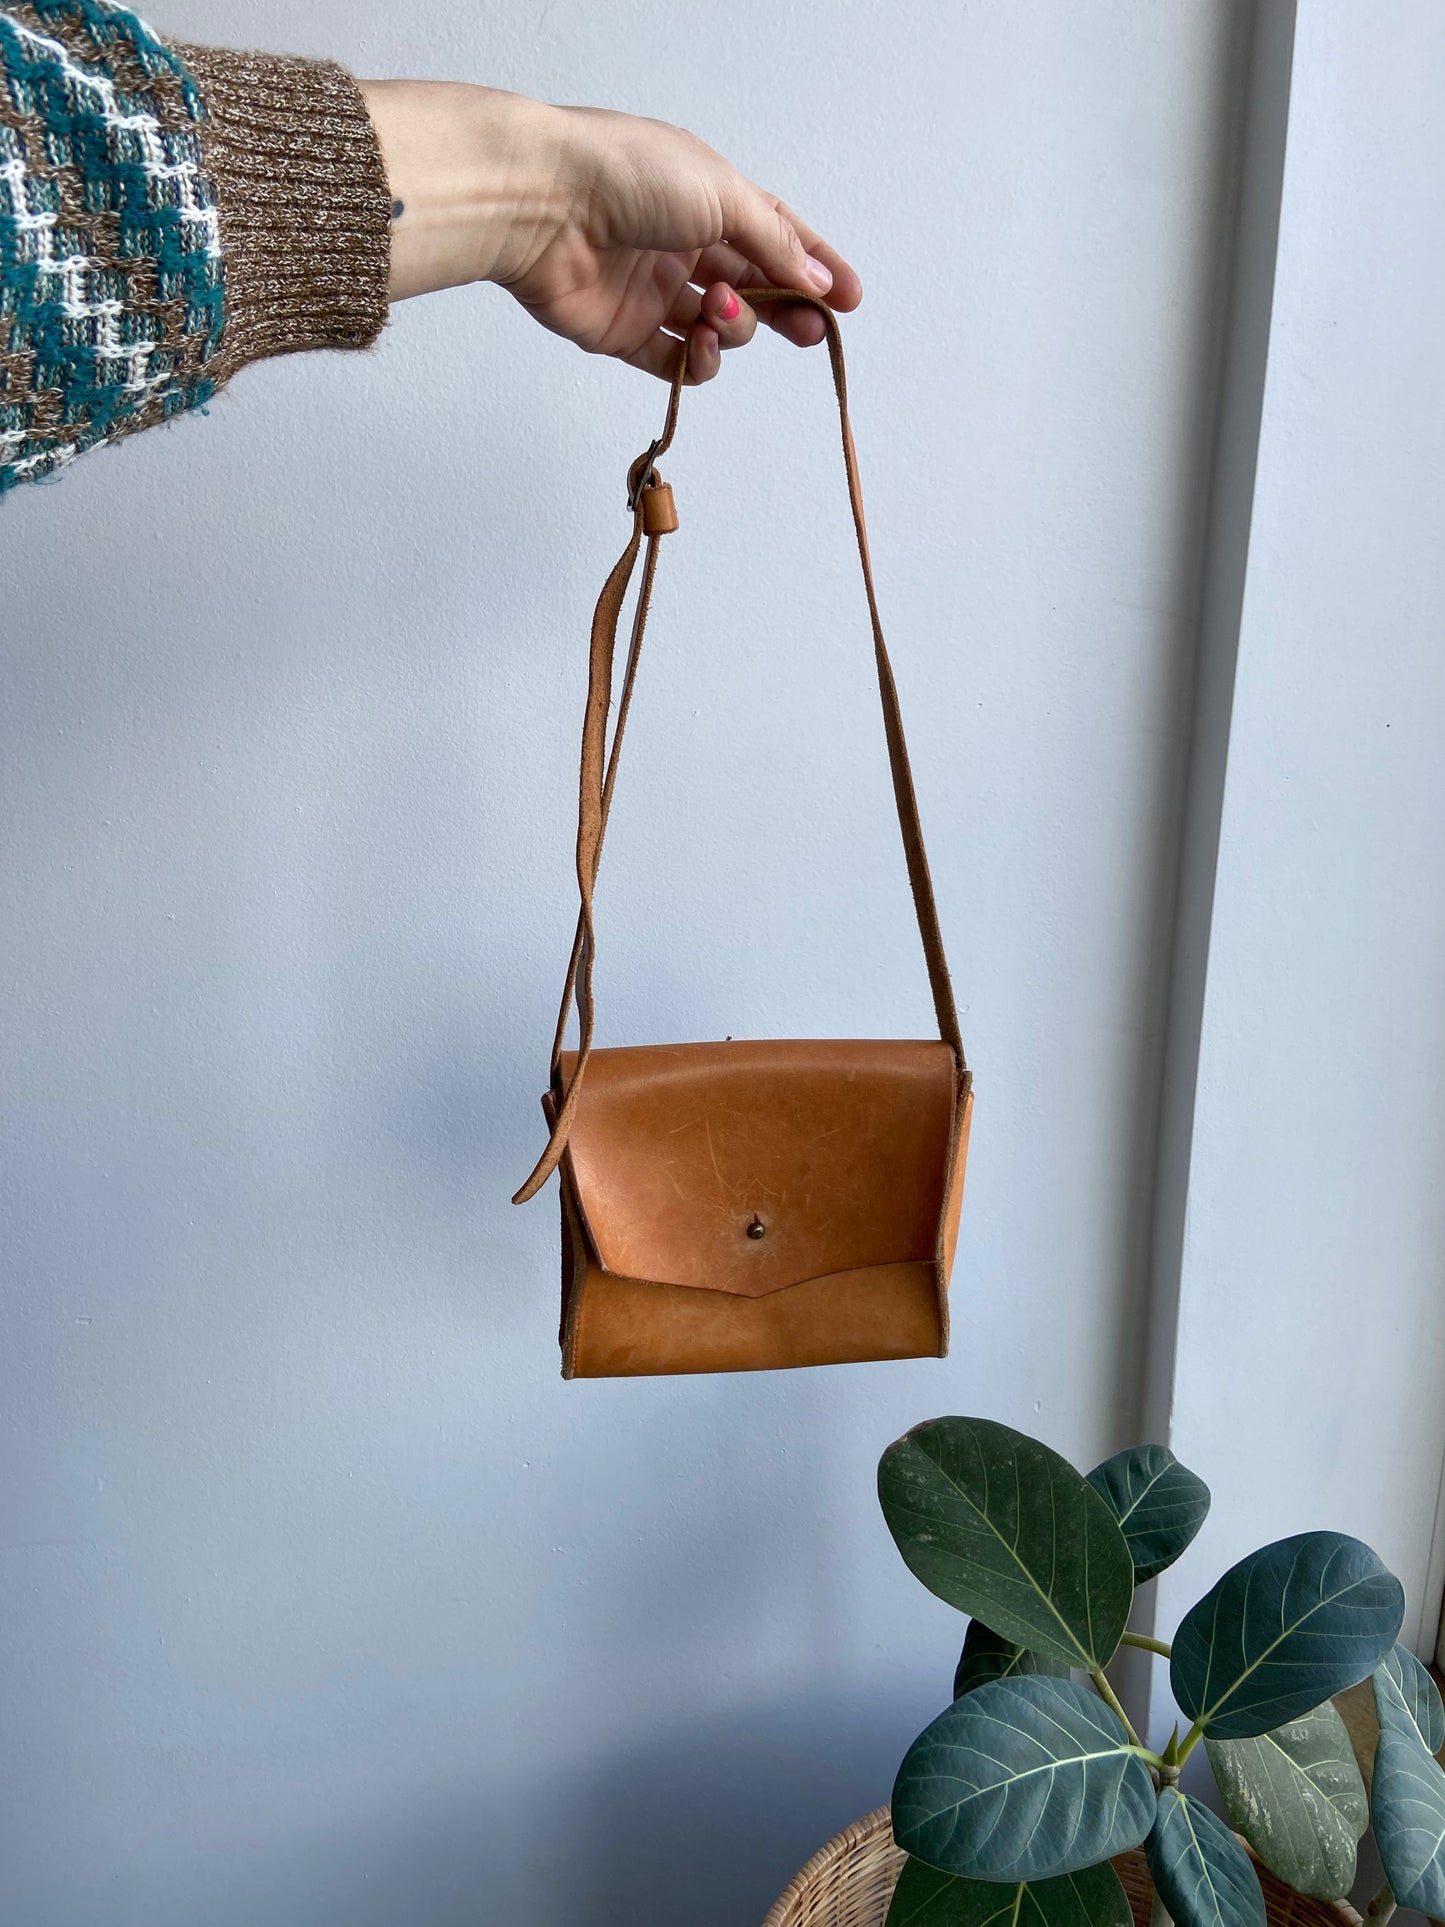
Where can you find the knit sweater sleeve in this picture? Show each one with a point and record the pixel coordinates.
(168, 213)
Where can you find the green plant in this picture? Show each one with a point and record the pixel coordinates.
(1012, 1803)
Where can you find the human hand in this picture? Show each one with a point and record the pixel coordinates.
(617, 232)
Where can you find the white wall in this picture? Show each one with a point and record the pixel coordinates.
(1309, 1351)
(323, 1597)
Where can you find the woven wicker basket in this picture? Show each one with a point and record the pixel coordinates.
(850, 1883)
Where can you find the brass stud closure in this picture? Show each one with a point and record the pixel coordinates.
(757, 1229)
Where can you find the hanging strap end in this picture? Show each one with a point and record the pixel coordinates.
(541, 1171)
(561, 1121)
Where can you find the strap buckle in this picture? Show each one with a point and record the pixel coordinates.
(640, 473)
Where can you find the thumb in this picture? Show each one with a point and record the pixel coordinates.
(764, 229)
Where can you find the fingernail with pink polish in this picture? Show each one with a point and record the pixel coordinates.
(730, 308)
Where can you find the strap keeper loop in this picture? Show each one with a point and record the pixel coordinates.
(659, 511)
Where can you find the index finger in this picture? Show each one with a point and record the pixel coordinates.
(764, 229)
(795, 322)
(847, 289)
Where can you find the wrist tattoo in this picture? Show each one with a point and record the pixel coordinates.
(398, 208)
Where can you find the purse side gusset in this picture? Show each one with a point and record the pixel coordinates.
(951, 1213)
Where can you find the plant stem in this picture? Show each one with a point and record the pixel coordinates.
(1149, 1645)
(1189, 1742)
(1111, 1700)
(1382, 1906)
(1160, 1915)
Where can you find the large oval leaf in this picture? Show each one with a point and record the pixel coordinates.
(1203, 1875)
(1407, 1805)
(1159, 1503)
(1007, 1531)
(1407, 1697)
(986, 1655)
(1021, 1780)
(1283, 1631)
(1297, 1797)
(924, 1897)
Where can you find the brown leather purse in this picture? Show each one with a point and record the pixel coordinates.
(742, 1206)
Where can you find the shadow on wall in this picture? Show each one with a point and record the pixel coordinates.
(702, 1827)
(706, 1825)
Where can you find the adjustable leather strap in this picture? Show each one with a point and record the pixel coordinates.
(650, 501)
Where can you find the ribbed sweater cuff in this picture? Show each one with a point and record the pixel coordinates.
(302, 201)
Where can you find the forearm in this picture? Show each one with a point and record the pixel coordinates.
(475, 179)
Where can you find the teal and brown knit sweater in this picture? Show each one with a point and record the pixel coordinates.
(168, 213)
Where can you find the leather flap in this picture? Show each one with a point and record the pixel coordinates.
(748, 1167)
